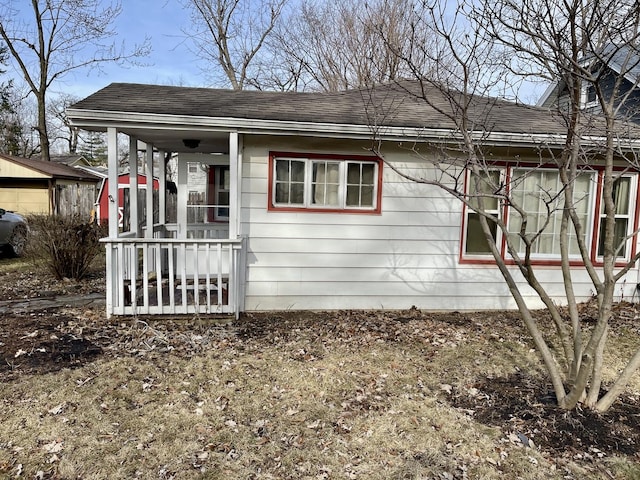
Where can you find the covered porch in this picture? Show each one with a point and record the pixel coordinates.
(177, 249)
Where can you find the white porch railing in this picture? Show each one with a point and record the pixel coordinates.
(166, 276)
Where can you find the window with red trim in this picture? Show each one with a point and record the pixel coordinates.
(325, 182)
(539, 192)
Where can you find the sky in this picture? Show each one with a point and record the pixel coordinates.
(170, 61)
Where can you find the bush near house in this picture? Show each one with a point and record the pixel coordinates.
(65, 245)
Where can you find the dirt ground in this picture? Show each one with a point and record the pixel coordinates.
(42, 341)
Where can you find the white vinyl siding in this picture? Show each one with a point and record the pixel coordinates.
(408, 255)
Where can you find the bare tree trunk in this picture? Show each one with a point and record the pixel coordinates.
(63, 36)
(596, 376)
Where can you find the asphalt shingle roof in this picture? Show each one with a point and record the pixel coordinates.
(55, 170)
(391, 105)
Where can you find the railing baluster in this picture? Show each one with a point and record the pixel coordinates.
(219, 274)
(120, 280)
(232, 274)
(145, 277)
(158, 256)
(196, 278)
(133, 269)
(183, 276)
(208, 275)
(172, 287)
(109, 279)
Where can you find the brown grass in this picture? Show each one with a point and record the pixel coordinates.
(284, 396)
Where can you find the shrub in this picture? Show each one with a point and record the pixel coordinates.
(65, 245)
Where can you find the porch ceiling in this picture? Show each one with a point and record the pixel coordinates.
(172, 140)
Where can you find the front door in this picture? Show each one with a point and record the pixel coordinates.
(204, 209)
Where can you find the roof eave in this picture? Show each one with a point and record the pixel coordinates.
(100, 120)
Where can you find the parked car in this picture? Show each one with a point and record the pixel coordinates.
(13, 233)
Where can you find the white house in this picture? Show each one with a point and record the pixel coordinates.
(299, 214)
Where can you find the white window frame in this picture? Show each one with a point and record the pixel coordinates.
(498, 212)
(308, 200)
(584, 95)
(629, 216)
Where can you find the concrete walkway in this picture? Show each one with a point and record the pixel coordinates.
(46, 303)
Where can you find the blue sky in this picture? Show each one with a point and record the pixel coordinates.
(170, 61)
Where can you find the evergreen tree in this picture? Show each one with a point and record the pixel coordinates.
(10, 126)
(94, 149)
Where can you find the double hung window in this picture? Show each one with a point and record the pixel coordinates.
(622, 188)
(480, 188)
(325, 183)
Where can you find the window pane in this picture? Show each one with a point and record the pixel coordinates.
(368, 172)
(297, 193)
(353, 173)
(621, 195)
(225, 178)
(476, 242)
(366, 196)
(353, 196)
(619, 233)
(282, 170)
(223, 199)
(485, 184)
(325, 183)
(282, 193)
(297, 171)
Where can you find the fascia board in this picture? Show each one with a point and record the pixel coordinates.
(547, 93)
(101, 120)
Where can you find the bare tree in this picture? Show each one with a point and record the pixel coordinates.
(229, 34)
(336, 45)
(572, 42)
(60, 128)
(58, 37)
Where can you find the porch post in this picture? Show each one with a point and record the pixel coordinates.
(234, 191)
(134, 223)
(183, 198)
(149, 170)
(112, 162)
(112, 266)
(162, 192)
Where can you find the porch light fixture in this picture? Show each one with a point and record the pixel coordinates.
(191, 142)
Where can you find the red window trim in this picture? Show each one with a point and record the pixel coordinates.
(325, 156)
(464, 259)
